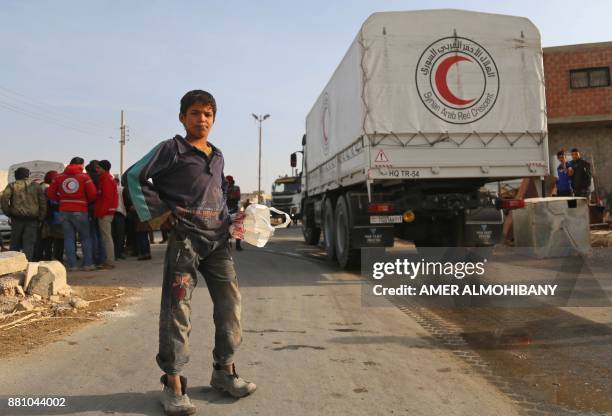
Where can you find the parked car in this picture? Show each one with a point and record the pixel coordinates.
(5, 228)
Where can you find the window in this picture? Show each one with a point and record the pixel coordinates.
(589, 77)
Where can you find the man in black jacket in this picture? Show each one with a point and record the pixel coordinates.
(580, 172)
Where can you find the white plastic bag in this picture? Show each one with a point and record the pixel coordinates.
(256, 229)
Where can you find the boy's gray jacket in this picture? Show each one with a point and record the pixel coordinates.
(178, 177)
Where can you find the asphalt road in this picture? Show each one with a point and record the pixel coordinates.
(309, 344)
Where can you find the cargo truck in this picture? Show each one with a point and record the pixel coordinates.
(286, 196)
(425, 108)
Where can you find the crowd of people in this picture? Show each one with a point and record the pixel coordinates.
(84, 204)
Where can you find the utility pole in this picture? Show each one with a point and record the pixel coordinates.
(260, 119)
(121, 145)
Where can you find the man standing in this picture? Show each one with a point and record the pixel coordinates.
(564, 185)
(233, 201)
(104, 210)
(74, 190)
(188, 193)
(580, 173)
(24, 202)
(118, 226)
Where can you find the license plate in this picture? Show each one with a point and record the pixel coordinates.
(386, 219)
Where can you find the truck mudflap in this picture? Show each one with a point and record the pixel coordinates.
(482, 234)
(372, 236)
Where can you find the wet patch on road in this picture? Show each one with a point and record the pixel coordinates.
(342, 360)
(267, 331)
(295, 347)
(546, 360)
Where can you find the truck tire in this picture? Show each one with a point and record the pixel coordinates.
(329, 230)
(348, 257)
(311, 233)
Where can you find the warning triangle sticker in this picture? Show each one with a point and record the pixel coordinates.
(381, 157)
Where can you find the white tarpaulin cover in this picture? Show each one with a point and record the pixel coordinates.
(427, 72)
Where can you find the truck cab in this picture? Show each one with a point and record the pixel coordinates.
(286, 196)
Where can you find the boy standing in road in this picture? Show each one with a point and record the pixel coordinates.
(187, 192)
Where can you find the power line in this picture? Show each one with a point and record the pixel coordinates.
(47, 110)
(38, 117)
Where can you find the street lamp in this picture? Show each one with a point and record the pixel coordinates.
(260, 119)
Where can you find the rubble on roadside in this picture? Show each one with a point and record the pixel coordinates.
(601, 238)
(32, 287)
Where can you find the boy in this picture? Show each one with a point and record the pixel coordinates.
(188, 193)
(564, 183)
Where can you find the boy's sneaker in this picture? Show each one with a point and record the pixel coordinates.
(231, 383)
(175, 405)
(88, 268)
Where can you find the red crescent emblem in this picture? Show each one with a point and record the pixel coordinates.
(441, 82)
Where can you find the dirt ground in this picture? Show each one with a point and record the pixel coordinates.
(50, 321)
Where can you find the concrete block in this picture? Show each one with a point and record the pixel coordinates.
(31, 271)
(50, 279)
(78, 303)
(8, 285)
(12, 262)
(24, 305)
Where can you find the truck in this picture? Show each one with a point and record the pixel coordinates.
(37, 168)
(425, 108)
(286, 196)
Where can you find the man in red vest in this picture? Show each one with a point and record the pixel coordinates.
(74, 190)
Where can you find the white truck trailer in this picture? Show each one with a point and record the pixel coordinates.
(423, 110)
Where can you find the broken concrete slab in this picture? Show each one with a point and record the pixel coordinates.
(7, 304)
(50, 279)
(601, 238)
(31, 271)
(78, 303)
(65, 291)
(12, 262)
(8, 285)
(24, 305)
(20, 291)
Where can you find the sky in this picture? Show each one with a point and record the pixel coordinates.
(68, 68)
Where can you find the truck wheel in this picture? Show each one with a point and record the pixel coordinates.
(329, 230)
(347, 257)
(311, 233)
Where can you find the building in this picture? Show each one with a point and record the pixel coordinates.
(579, 106)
